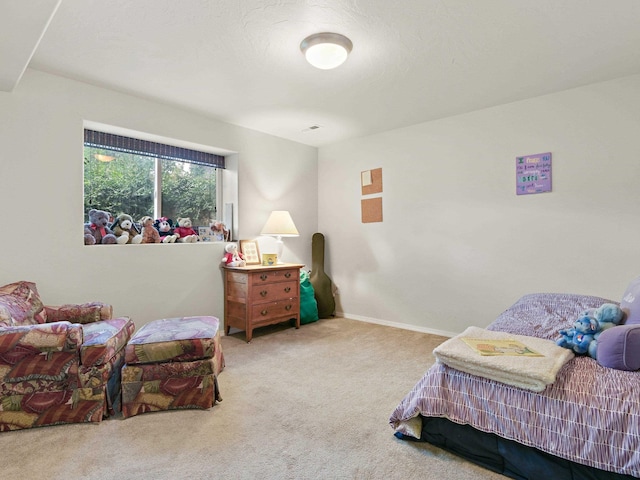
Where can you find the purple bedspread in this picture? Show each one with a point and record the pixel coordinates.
(590, 415)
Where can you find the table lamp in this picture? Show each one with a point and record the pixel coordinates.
(280, 224)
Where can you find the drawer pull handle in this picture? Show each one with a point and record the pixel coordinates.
(288, 307)
(263, 277)
(287, 290)
(288, 274)
(263, 293)
(264, 312)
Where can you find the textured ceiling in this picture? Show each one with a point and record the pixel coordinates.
(21, 27)
(412, 60)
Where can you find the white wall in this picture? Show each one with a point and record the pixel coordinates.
(457, 246)
(41, 134)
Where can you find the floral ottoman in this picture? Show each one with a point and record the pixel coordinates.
(172, 364)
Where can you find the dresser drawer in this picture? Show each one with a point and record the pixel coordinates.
(260, 278)
(268, 311)
(274, 291)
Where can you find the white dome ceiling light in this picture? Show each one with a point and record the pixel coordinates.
(326, 50)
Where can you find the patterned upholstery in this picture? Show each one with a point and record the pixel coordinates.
(173, 339)
(54, 369)
(103, 339)
(21, 305)
(171, 364)
(85, 313)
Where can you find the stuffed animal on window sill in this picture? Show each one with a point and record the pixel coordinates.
(125, 230)
(232, 257)
(164, 226)
(185, 232)
(97, 230)
(583, 337)
(220, 231)
(149, 233)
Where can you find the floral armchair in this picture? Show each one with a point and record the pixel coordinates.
(57, 364)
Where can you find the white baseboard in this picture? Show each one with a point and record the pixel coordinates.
(404, 326)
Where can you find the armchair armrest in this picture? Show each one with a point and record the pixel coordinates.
(30, 340)
(83, 313)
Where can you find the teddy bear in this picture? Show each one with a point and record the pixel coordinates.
(125, 230)
(233, 258)
(97, 230)
(149, 233)
(608, 315)
(579, 337)
(185, 232)
(164, 226)
(583, 337)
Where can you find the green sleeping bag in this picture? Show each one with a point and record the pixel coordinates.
(308, 304)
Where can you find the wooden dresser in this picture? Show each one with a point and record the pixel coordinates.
(255, 296)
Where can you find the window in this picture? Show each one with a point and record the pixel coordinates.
(139, 177)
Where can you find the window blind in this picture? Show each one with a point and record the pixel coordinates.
(119, 143)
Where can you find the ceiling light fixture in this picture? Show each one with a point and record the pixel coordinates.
(326, 50)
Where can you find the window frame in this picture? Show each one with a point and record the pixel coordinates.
(221, 196)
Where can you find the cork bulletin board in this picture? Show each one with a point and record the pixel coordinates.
(371, 184)
(371, 181)
(371, 210)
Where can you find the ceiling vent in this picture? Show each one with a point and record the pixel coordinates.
(311, 128)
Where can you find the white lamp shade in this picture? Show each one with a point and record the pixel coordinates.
(280, 224)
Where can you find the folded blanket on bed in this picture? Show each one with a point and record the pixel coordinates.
(519, 369)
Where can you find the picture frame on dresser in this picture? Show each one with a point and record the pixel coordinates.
(251, 252)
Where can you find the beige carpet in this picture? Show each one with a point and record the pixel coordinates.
(312, 403)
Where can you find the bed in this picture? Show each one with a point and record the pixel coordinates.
(584, 425)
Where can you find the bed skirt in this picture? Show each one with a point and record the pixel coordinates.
(503, 456)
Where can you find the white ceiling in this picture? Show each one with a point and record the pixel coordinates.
(239, 60)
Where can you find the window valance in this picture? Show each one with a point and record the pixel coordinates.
(119, 143)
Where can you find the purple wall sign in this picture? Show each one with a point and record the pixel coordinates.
(533, 173)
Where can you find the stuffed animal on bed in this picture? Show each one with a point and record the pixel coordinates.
(583, 337)
(580, 336)
(608, 315)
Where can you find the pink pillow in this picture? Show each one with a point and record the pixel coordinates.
(630, 303)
